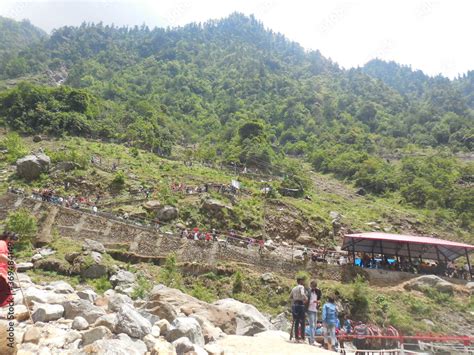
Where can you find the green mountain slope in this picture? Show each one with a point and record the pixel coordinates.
(231, 91)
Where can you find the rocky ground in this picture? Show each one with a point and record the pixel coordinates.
(65, 320)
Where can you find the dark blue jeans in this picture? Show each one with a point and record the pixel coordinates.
(298, 311)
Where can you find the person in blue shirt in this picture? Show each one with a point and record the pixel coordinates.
(330, 319)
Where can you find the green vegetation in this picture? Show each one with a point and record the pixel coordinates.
(165, 91)
(169, 274)
(238, 283)
(24, 224)
(14, 146)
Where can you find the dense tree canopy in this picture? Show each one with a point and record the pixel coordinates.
(241, 94)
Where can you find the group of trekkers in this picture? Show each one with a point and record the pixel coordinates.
(414, 266)
(214, 236)
(305, 306)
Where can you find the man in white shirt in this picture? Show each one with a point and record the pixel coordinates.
(298, 299)
(314, 296)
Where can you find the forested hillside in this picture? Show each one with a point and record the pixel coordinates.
(239, 93)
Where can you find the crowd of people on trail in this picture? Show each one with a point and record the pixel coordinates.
(204, 188)
(305, 307)
(224, 237)
(414, 266)
(75, 202)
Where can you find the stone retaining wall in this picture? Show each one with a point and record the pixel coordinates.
(140, 241)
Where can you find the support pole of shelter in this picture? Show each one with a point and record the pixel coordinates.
(353, 252)
(468, 263)
(409, 252)
(437, 254)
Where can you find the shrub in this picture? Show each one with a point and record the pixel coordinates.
(14, 146)
(142, 288)
(202, 293)
(169, 274)
(119, 179)
(101, 284)
(24, 224)
(360, 302)
(238, 283)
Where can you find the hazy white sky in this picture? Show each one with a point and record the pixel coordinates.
(435, 36)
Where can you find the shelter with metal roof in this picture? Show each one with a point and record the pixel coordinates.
(407, 246)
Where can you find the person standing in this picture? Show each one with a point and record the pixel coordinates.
(360, 331)
(329, 318)
(298, 299)
(314, 297)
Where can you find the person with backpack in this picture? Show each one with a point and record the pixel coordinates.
(314, 296)
(329, 318)
(298, 299)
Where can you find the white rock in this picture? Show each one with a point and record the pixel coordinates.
(36, 257)
(93, 245)
(186, 327)
(79, 323)
(116, 301)
(214, 349)
(249, 320)
(122, 277)
(94, 334)
(60, 287)
(22, 267)
(107, 320)
(130, 322)
(183, 345)
(47, 312)
(155, 331)
(163, 347)
(88, 295)
(82, 308)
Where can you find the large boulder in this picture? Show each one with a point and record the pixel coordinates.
(30, 167)
(87, 294)
(122, 277)
(66, 166)
(152, 205)
(161, 346)
(183, 345)
(130, 322)
(249, 320)
(52, 264)
(162, 297)
(210, 332)
(60, 287)
(47, 312)
(94, 334)
(280, 322)
(116, 301)
(92, 245)
(38, 295)
(470, 287)
(79, 323)
(115, 347)
(213, 206)
(167, 213)
(430, 281)
(109, 320)
(82, 308)
(186, 327)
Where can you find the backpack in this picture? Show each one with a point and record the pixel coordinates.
(331, 314)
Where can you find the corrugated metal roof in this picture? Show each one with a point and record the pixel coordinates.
(405, 245)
